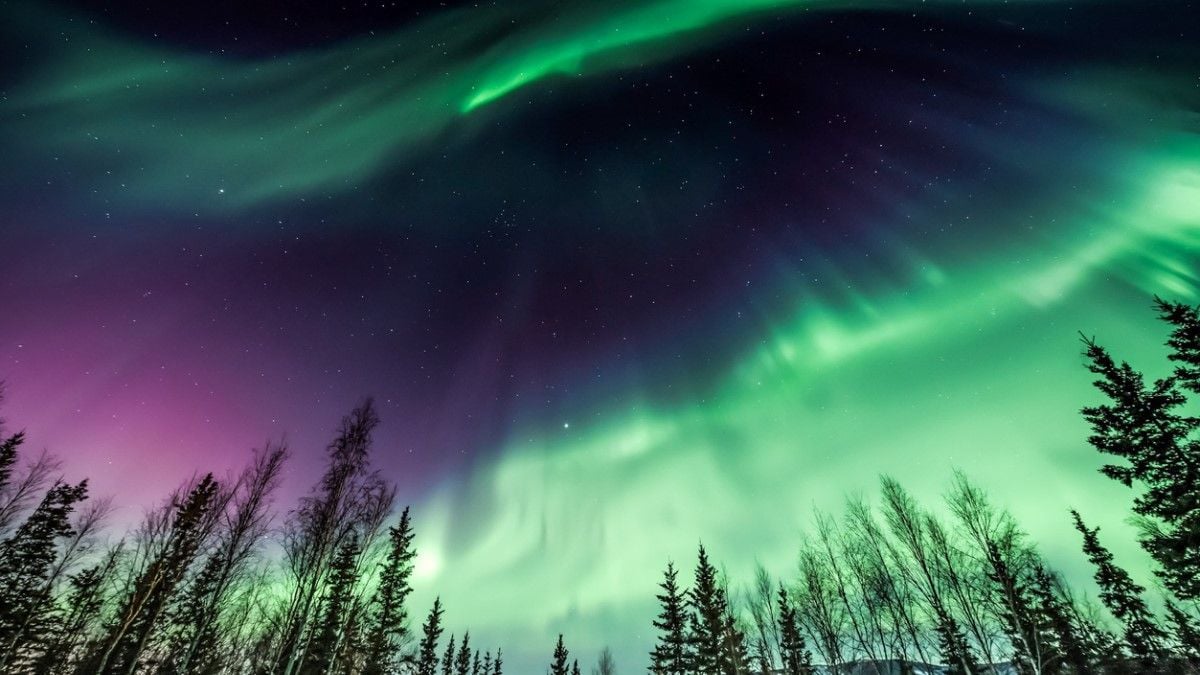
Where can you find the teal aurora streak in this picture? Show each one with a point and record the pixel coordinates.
(327, 120)
(972, 366)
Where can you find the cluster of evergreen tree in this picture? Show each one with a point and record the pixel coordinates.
(894, 588)
(202, 586)
(213, 581)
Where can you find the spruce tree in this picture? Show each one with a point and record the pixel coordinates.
(388, 628)
(1185, 634)
(707, 618)
(82, 607)
(26, 559)
(575, 667)
(431, 632)
(1175, 543)
(670, 654)
(718, 646)
(1123, 597)
(1015, 612)
(1059, 636)
(199, 640)
(797, 660)
(119, 652)
(952, 642)
(336, 606)
(1105, 649)
(1144, 426)
(9, 448)
(448, 657)
(1184, 341)
(462, 665)
(559, 665)
(498, 663)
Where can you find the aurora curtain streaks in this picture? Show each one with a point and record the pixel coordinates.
(622, 276)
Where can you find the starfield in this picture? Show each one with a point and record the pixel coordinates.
(687, 337)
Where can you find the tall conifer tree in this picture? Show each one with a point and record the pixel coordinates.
(143, 606)
(670, 654)
(448, 657)
(431, 632)
(26, 559)
(1144, 425)
(559, 665)
(1185, 634)
(718, 645)
(327, 644)
(1015, 612)
(462, 664)
(1062, 645)
(9, 448)
(388, 627)
(797, 660)
(1123, 597)
(952, 642)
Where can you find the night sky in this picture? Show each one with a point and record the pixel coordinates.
(621, 276)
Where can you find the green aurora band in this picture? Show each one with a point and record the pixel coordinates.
(976, 367)
(575, 528)
(324, 121)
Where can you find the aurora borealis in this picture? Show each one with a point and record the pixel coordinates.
(622, 276)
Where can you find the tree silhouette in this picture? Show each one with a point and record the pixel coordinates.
(1145, 426)
(83, 604)
(326, 645)
(1062, 646)
(389, 630)
(448, 658)
(718, 647)
(196, 622)
(9, 448)
(26, 560)
(168, 560)
(670, 654)
(207, 585)
(797, 660)
(558, 666)
(431, 632)
(761, 604)
(1123, 597)
(1185, 634)
(605, 664)
(462, 664)
(347, 496)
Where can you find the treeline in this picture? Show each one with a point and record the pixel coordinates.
(214, 581)
(895, 588)
(217, 580)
